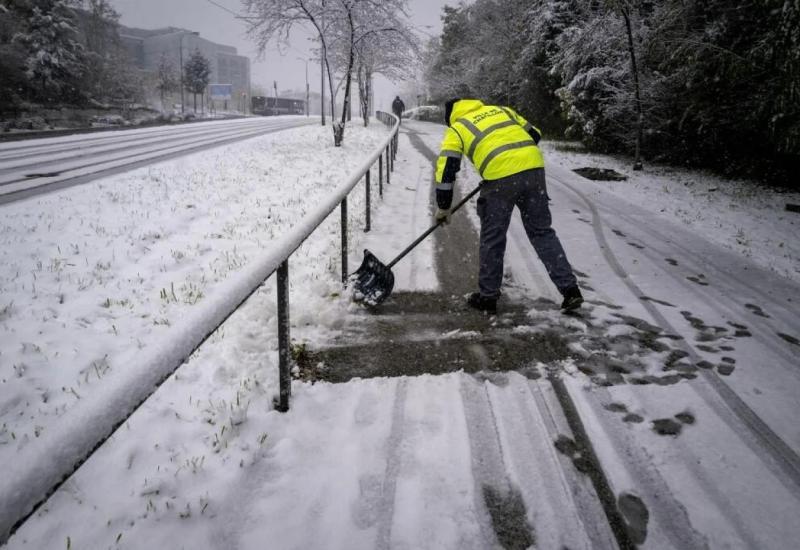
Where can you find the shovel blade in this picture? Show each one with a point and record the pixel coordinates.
(372, 282)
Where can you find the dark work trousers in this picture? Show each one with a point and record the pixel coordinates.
(528, 192)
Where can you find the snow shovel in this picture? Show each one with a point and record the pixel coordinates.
(373, 281)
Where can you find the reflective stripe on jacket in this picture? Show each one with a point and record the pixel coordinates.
(497, 140)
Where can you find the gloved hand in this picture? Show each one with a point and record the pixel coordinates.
(443, 215)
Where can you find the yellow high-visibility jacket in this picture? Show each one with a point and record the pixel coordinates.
(497, 140)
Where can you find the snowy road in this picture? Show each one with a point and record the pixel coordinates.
(34, 166)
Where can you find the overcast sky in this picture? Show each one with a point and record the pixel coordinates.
(217, 25)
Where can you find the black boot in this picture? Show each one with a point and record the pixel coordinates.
(482, 303)
(572, 299)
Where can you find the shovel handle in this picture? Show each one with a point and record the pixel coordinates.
(430, 230)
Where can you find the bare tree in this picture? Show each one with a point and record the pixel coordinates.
(394, 54)
(369, 26)
(273, 20)
(340, 25)
(167, 77)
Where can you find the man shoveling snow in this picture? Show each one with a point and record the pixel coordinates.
(503, 147)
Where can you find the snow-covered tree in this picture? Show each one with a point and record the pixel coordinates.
(596, 62)
(272, 20)
(391, 54)
(13, 82)
(196, 72)
(109, 75)
(340, 27)
(56, 60)
(680, 80)
(167, 77)
(372, 37)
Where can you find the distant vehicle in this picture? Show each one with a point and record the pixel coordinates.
(269, 106)
(428, 113)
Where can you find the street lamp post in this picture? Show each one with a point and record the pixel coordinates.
(308, 93)
(323, 53)
(184, 33)
(308, 106)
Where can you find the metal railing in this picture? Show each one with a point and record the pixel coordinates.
(47, 462)
(388, 150)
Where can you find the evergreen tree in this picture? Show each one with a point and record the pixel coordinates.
(711, 83)
(544, 24)
(448, 75)
(13, 83)
(55, 59)
(196, 72)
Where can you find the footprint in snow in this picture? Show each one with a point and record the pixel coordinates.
(567, 447)
(789, 338)
(636, 516)
(699, 280)
(668, 426)
(756, 310)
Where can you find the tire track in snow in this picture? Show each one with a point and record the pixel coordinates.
(551, 416)
(393, 463)
(559, 494)
(758, 436)
(22, 188)
(724, 281)
(486, 453)
(766, 336)
(80, 162)
(482, 416)
(53, 155)
(670, 513)
(82, 142)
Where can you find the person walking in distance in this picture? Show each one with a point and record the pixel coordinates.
(503, 146)
(398, 107)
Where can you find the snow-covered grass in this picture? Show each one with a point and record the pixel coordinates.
(91, 276)
(743, 216)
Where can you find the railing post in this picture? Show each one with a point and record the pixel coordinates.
(284, 355)
(388, 165)
(380, 175)
(367, 228)
(343, 209)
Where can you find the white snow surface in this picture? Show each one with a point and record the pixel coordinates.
(91, 362)
(743, 216)
(380, 463)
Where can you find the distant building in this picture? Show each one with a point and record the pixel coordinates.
(146, 47)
